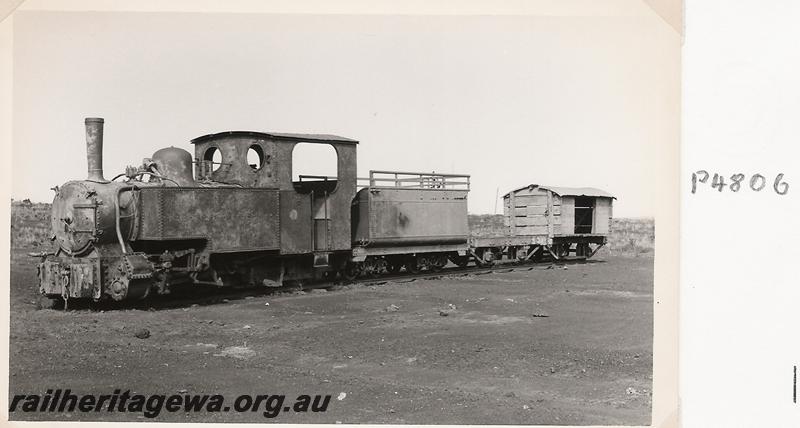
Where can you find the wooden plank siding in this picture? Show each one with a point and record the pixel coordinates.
(532, 212)
(602, 215)
(534, 220)
(533, 230)
(567, 215)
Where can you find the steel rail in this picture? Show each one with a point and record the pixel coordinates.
(192, 295)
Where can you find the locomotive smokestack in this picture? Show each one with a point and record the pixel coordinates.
(94, 147)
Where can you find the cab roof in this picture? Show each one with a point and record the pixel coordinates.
(310, 138)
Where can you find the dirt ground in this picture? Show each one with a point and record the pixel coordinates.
(541, 346)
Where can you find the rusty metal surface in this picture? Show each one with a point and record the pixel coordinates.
(234, 168)
(298, 233)
(341, 200)
(229, 218)
(50, 279)
(175, 164)
(328, 138)
(83, 282)
(297, 236)
(76, 278)
(83, 215)
(94, 148)
(296, 223)
(410, 216)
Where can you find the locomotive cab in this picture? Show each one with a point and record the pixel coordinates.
(313, 210)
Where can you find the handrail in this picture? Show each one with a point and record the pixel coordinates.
(433, 174)
(414, 180)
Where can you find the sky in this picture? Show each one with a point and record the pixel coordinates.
(564, 100)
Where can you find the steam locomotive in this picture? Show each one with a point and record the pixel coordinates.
(176, 219)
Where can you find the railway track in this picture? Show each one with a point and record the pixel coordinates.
(474, 270)
(209, 295)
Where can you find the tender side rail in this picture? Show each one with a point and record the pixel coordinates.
(414, 180)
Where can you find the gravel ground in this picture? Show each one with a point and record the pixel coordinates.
(545, 346)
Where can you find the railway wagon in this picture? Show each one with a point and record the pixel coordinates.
(410, 219)
(553, 221)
